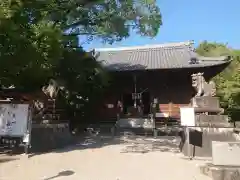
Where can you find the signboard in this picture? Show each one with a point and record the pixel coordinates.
(187, 116)
(13, 119)
(136, 95)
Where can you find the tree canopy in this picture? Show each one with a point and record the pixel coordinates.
(39, 40)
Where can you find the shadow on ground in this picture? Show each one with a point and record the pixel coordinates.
(130, 143)
(11, 152)
(61, 174)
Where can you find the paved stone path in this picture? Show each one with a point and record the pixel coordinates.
(106, 159)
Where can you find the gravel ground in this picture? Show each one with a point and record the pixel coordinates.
(105, 158)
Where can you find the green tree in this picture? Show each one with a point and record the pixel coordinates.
(29, 45)
(213, 49)
(108, 20)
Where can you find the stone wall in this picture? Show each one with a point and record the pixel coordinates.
(48, 137)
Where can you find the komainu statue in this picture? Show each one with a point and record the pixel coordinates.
(202, 87)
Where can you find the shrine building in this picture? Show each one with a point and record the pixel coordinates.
(150, 73)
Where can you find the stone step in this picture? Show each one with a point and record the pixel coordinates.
(217, 121)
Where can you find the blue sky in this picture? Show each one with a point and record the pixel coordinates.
(198, 20)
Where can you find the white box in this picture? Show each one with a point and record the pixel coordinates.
(13, 119)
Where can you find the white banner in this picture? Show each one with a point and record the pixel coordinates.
(13, 119)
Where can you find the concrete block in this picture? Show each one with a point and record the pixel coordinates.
(220, 172)
(226, 153)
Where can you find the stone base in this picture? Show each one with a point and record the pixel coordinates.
(206, 101)
(204, 137)
(221, 172)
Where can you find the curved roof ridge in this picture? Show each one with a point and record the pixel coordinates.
(164, 45)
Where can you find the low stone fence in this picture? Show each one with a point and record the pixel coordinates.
(202, 137)
(46, 137)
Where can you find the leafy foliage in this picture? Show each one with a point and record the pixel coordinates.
(29, 45)
(109, 20)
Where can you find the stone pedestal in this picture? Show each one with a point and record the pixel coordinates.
(206, 101)
(210, 125)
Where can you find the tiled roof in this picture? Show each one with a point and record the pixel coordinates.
(162, 56)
